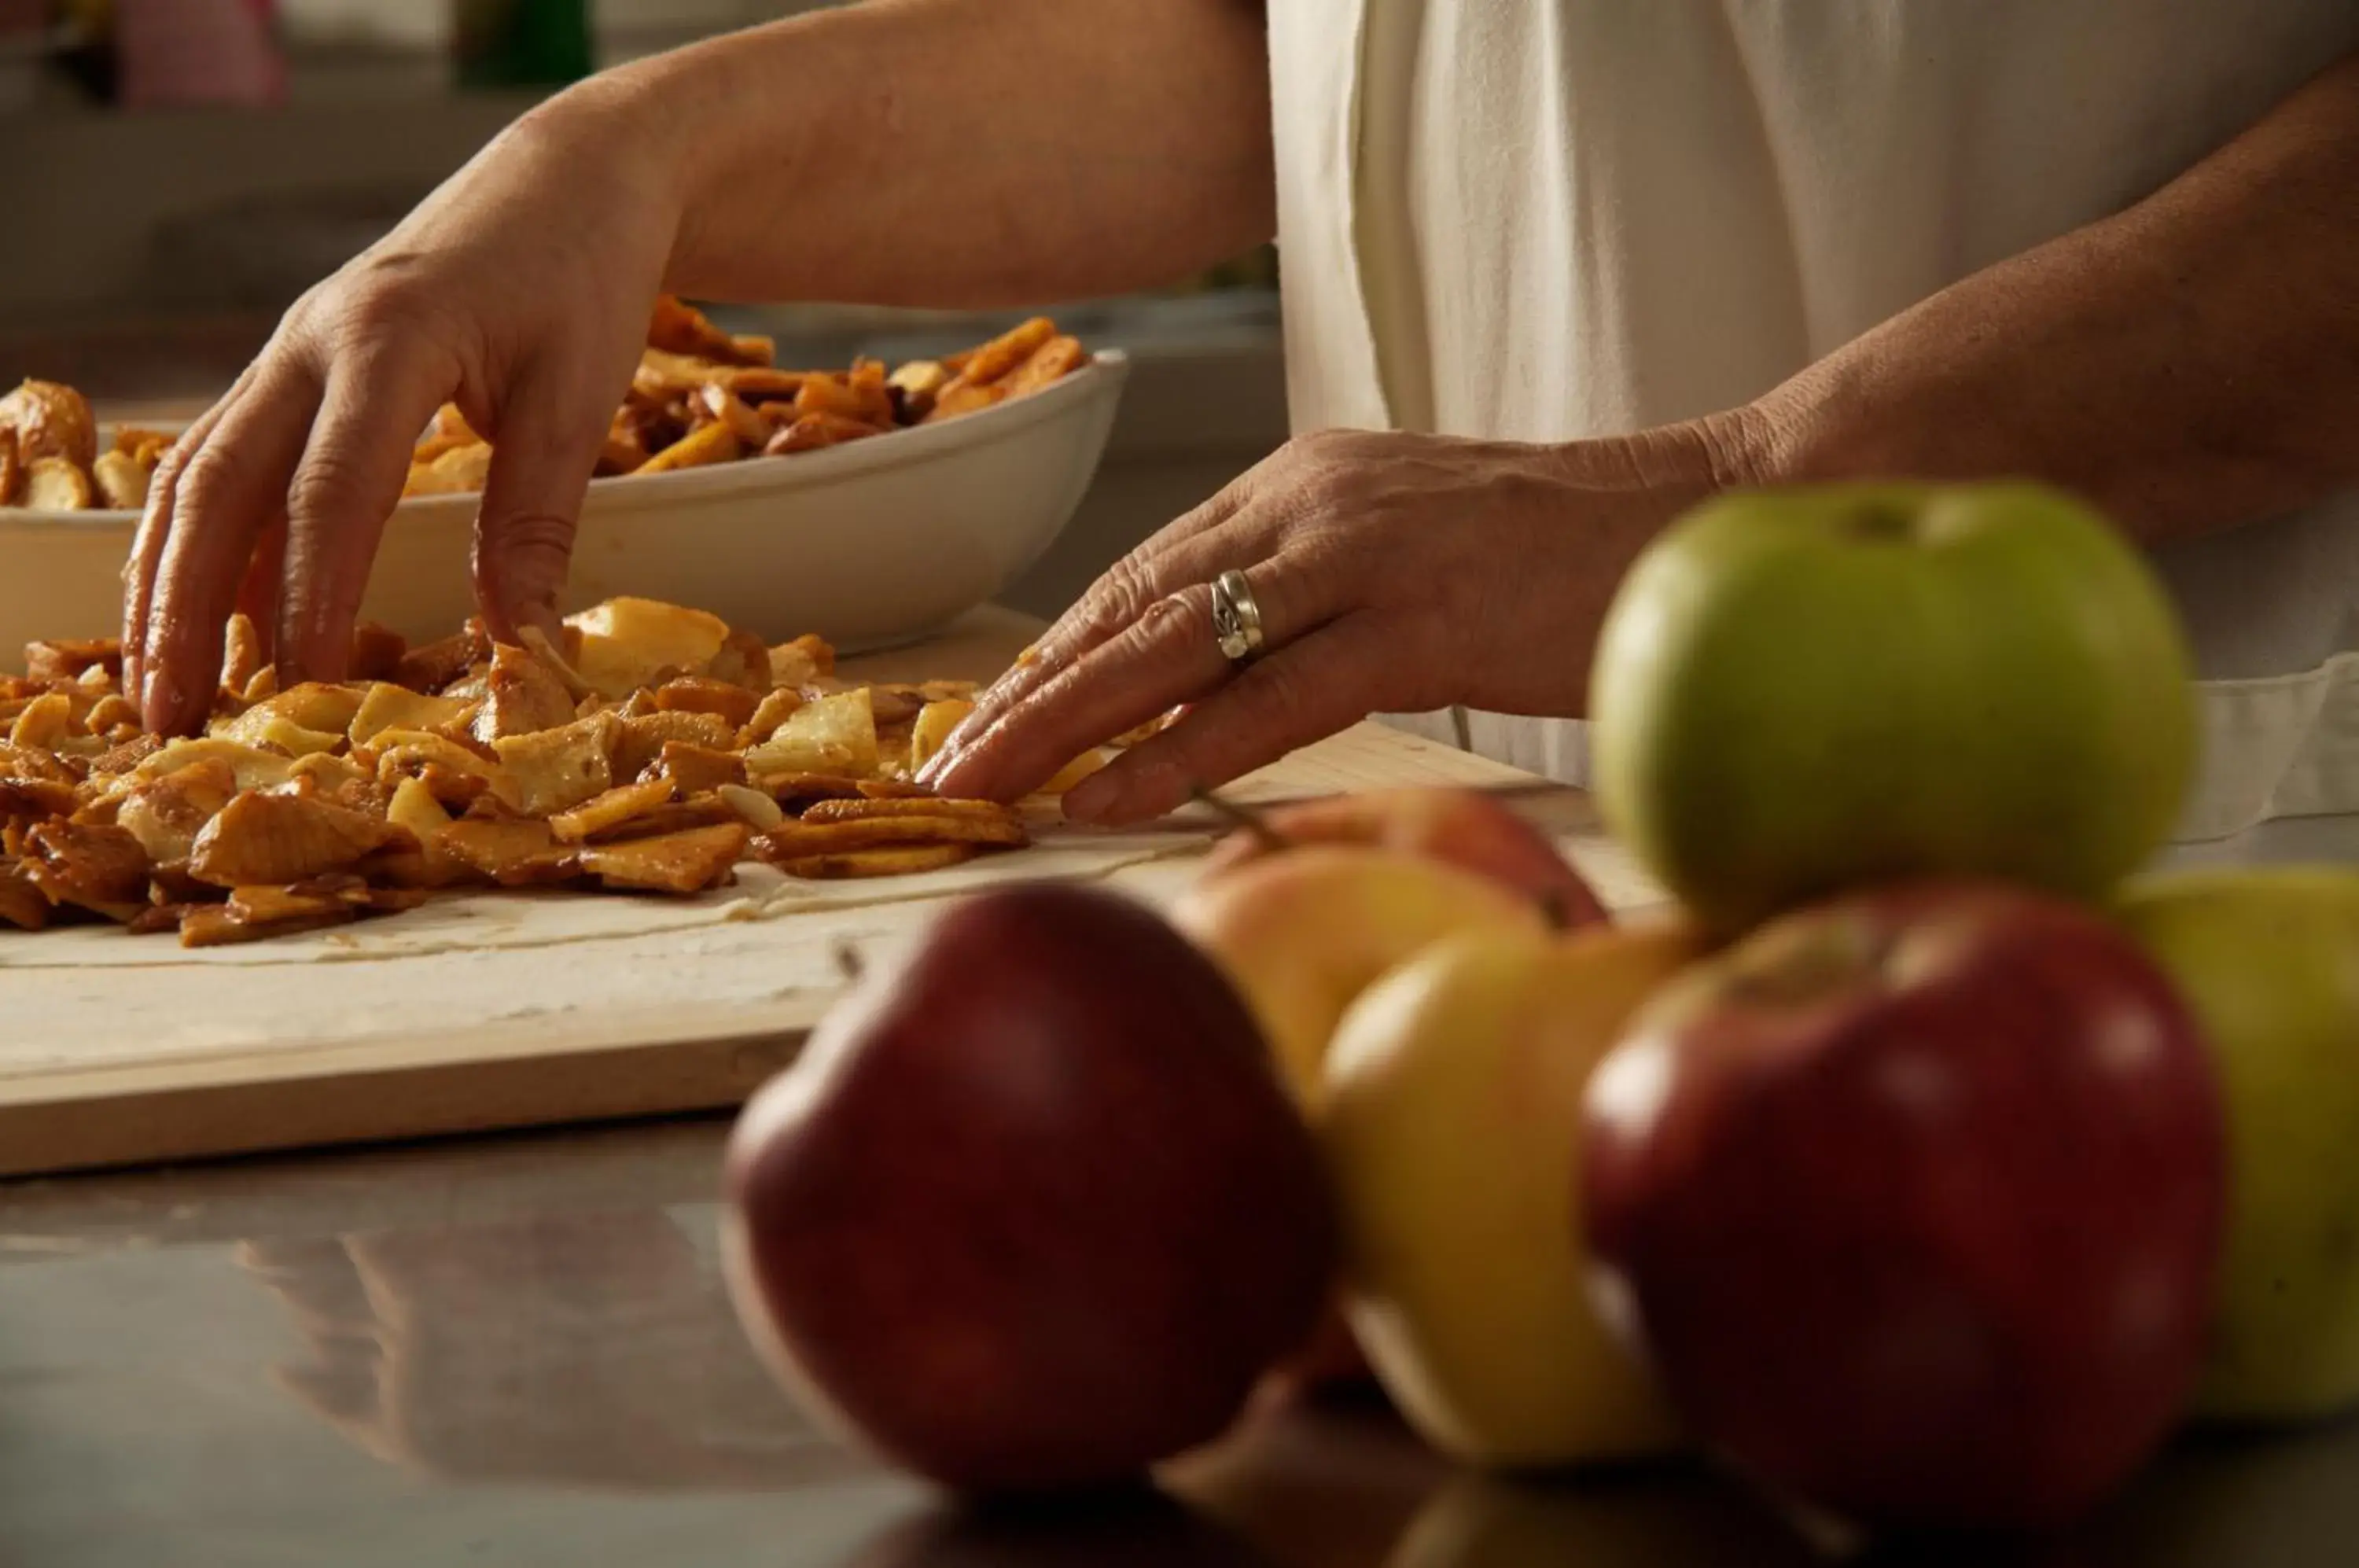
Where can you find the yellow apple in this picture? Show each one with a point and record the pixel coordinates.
(2268, 959)
(1303, 933)
(1451, 1126)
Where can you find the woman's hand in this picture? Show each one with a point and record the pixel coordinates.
(520, 291)
(1395, 573)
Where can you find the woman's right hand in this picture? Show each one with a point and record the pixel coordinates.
(520, 291)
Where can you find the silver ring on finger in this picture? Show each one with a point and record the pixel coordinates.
(1236, 618)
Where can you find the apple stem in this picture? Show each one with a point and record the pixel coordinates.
(1245, 817)
(1556, 909)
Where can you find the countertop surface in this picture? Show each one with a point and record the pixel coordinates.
(519, 1351)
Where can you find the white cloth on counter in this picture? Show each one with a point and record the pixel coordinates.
(1546, 219)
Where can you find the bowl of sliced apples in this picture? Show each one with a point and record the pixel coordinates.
(870, 506)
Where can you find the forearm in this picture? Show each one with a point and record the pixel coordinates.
(2190, 363)
(954, 153)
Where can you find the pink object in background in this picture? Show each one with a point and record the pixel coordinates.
(176, 53)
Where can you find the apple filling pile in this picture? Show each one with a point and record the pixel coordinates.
(652, 752)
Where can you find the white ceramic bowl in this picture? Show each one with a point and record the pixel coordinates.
(872, 544)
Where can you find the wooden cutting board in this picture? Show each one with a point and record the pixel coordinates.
(134, 1065)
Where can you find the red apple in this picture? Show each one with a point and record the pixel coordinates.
(1465, 828)
(1915, 1200)
(1033, 1209)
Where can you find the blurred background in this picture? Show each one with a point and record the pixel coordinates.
(178, 171)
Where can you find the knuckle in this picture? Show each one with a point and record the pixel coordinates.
(327, 482)
(208, 476)
(175, 461)
(1174, 623)
(1120, 600)
(527, 536)
(1320, 446)
(167, 470)
(301, 320)
(1338, 484)
(1229, 497)
(1133, 640)
(367, 314)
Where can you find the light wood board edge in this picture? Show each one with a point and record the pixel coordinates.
(499, 1077)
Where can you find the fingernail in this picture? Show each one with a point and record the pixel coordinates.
(954, 744)
(951, 785)
(1011, 681)
(965, 730)
(990, 700)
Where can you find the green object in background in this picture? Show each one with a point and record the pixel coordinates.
(1256, 268)
(522, 43)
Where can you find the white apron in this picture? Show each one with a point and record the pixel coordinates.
(1545, 220)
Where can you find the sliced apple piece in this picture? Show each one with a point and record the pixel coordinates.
(550, 770)
(387, 706)
(627, 643)
(837, 734)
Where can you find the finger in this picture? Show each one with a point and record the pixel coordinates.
(257, 597)
(1168, 655)
(550, 429)
(346, 485)
(1155, 569)
(154, 525)
(1309, 690)
(1190, 566)
(1191, 551)
(228, 491)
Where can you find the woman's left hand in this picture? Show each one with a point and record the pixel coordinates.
(1394, 573)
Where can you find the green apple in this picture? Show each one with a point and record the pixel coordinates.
(1452, 1129)
(2267, 957)
(1802, 691)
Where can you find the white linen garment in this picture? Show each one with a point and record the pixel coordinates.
(1545, 220)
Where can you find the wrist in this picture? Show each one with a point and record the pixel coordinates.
(637, 126)
(795, 106)
(1681, 464)
(1742, 448)
(1827, 425)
